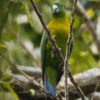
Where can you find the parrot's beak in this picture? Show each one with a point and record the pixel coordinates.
(55, 9)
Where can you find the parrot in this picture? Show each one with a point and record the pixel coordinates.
(50, 63)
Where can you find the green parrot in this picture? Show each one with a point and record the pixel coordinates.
(59, 28)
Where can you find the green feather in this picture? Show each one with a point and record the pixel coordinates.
(59, 27)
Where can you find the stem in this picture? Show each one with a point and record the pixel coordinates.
(68, 51)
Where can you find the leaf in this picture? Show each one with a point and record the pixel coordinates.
(37, 1)
(2, 50)
(36, 25)
(6, 85)
(1, 93)
(94, 0)
(4, 77)
(2, 45)
(90, 13)
(25, 3)
(5, 6)
(32, 92)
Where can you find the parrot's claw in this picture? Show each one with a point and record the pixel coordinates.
(60, 65)
(69, 64)
(56, 52)
(59, 50)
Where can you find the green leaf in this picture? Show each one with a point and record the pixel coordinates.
(1, 93)
(6, 85)
(2, 50)
(4, 77)
(32, 92)
(2, 45)
(94, 0)
(25, 3)
(5, 6)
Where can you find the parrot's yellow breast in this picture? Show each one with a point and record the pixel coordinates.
(59, 30)
(59, 26)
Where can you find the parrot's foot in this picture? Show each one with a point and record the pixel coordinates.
(59, 49)
(55, 52)
(60, 65)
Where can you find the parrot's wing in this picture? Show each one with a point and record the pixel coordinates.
(49, 89)
(51, 73)
(43, 50)
(61, 72)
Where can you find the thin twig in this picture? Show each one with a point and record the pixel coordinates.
(80, 9)
(37, 62)
(30, 80)
(61, 97)
(76, 85)
(90, 78)
(67, 70)
(15, 66)
(95, 89)
(68, 51)
(57, 49)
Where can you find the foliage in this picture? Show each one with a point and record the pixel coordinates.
(19, 16)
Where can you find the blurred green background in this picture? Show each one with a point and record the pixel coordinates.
(18, 17)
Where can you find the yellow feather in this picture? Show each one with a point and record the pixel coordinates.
(59, 30)
(59, 24)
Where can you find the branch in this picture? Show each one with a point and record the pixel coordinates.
(56, 47)
(95, 89)
(24, 47)
(37, 62)
(87, 81)
(31, 71)
(22, 87)
(14, 66)
(96, 95)
(68, 51)
(66, 68)
(31, 81)
(88, 23)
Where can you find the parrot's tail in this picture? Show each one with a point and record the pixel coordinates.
(49, 90)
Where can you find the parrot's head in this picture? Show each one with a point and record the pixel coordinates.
(57, 10)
